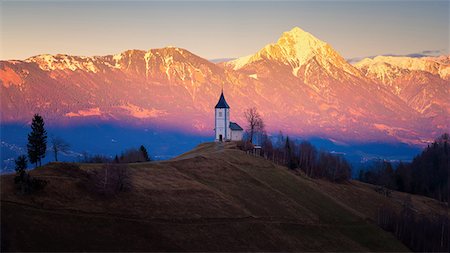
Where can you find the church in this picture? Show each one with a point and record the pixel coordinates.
(224, 128)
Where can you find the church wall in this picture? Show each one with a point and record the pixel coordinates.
(222, 123)
(236, 135)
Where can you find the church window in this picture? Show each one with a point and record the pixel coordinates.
(220, 114)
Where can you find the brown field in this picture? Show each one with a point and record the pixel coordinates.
(213, 198)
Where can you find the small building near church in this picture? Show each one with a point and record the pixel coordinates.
(225, 129)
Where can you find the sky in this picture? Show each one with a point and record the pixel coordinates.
(219, 29)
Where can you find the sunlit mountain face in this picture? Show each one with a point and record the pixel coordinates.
(299, 84)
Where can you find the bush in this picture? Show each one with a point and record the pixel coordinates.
(244, 145)
(28, 185)
(24, 182)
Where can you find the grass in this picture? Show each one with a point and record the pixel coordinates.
(213, 198)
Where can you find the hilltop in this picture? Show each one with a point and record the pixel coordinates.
(213, 198)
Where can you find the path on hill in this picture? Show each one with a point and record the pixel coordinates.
(218, 146)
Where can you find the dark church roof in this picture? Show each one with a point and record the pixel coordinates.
(235, 127)
(222, 103)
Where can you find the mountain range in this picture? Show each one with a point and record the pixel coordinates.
(299, 84)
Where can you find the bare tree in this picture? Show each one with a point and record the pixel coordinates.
(254, 121)
(307, 157)
(59, 145)
(133, 155)
(109, 180)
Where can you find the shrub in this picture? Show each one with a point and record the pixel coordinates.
(24, 182)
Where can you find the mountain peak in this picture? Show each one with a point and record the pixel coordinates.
(300, 46)
(296, 30)
(294, 47)
(298, 35)
(297, 48)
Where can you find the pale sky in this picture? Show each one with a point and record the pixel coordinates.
(219, 29)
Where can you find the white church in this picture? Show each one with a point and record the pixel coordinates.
(224, 128)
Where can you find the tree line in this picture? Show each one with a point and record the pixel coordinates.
(420, 233)
(427, 174)
(132, 155)
(301, 156)
(37, 150)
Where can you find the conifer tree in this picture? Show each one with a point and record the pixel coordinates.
(144, 153)
(289, 154)
(37, 140)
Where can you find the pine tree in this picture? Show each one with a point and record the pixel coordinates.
(37, 140)
(289, 154)
(144, 153)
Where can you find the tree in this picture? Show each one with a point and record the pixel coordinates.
(254, 121)
(59, 145)
(37, 140)
(24, 182)
(308, 156)
(132, 155)
(427, 174)
(289, 154)
(266, 147)
(21, 166)
(144, 153)
(403, 177)
(109, 180)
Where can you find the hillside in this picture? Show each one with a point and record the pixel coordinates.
(213, 198)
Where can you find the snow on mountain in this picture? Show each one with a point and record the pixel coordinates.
(300, 84)
(423, 83)
(62, 62)
(297, 48)
(387, 68)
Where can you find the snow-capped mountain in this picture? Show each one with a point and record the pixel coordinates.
(296, 49)
(423, 83)
(300, 84)
(387, 68)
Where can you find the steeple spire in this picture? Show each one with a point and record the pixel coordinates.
(222, 102)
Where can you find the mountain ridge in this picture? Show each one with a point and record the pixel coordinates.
(326, 95)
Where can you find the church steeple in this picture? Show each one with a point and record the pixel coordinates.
(224, 128)
(222, 102)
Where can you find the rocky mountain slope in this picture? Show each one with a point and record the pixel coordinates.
(423, 83)
(300, 84)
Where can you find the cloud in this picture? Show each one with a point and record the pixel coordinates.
(433, 51)
(424, 53)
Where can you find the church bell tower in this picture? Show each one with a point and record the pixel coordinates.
(222, 120)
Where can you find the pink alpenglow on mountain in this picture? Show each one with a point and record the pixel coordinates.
(299, 84)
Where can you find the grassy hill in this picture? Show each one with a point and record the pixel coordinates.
(213, 198)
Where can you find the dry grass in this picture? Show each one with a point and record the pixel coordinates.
(213, 198)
